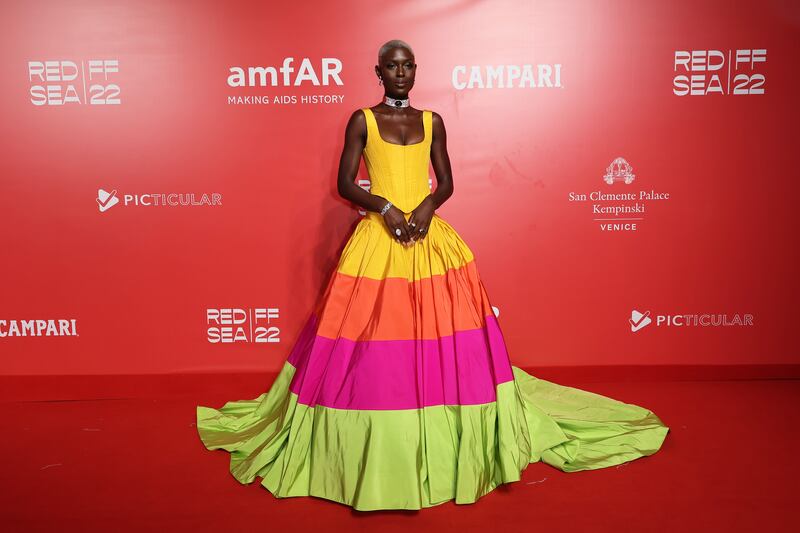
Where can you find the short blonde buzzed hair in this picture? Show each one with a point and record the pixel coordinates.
(394, 43)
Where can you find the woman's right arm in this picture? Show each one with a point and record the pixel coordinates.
(355, 139)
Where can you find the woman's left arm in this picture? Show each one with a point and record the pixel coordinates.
(422, 215)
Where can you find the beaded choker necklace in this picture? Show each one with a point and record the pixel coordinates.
(396, 102)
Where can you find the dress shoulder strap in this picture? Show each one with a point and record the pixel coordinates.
(372, 126)
(369, 114)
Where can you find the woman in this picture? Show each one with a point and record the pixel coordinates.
(399, 392)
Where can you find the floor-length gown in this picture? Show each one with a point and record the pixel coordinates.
(399, 392)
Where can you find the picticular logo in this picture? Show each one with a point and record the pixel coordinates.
(619, 170)
(639, 320)
(106, 200)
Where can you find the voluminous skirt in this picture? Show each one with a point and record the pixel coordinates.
(399, 392)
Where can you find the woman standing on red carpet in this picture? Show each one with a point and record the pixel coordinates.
(399, 392)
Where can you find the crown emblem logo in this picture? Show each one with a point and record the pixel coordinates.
(619, 170)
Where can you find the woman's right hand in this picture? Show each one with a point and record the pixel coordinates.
(395, 219)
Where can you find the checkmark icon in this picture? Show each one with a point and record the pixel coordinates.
(639, 320)
(106, 200)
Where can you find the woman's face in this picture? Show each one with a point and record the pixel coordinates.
(397, 68)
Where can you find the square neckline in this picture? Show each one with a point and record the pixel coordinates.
(378, 130)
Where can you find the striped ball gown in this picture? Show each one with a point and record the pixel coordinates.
(399, 392)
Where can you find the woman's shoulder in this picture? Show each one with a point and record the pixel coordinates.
(359, 113)
(436, 118)
(358, 121)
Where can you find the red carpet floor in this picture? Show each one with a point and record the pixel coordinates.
(135, 463)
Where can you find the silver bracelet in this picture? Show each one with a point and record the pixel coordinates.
(386, 208)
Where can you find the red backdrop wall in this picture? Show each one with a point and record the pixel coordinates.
(111, 107)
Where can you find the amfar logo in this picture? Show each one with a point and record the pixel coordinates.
(39, 328)
(618, 204)
(639, 320)
(106, 200)
(229, 325)
(67, 82)
(709, 65)
(329, 70)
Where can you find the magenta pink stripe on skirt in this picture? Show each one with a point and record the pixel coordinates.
(459, 369)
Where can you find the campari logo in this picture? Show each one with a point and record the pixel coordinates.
(46, 327)
(525, 76)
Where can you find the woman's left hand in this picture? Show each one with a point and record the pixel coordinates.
(420, 220)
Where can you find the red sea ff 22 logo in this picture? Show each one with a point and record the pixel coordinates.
(242, 324)
(707, 72)
(64, 82)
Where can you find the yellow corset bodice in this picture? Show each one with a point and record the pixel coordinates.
(398, 172)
